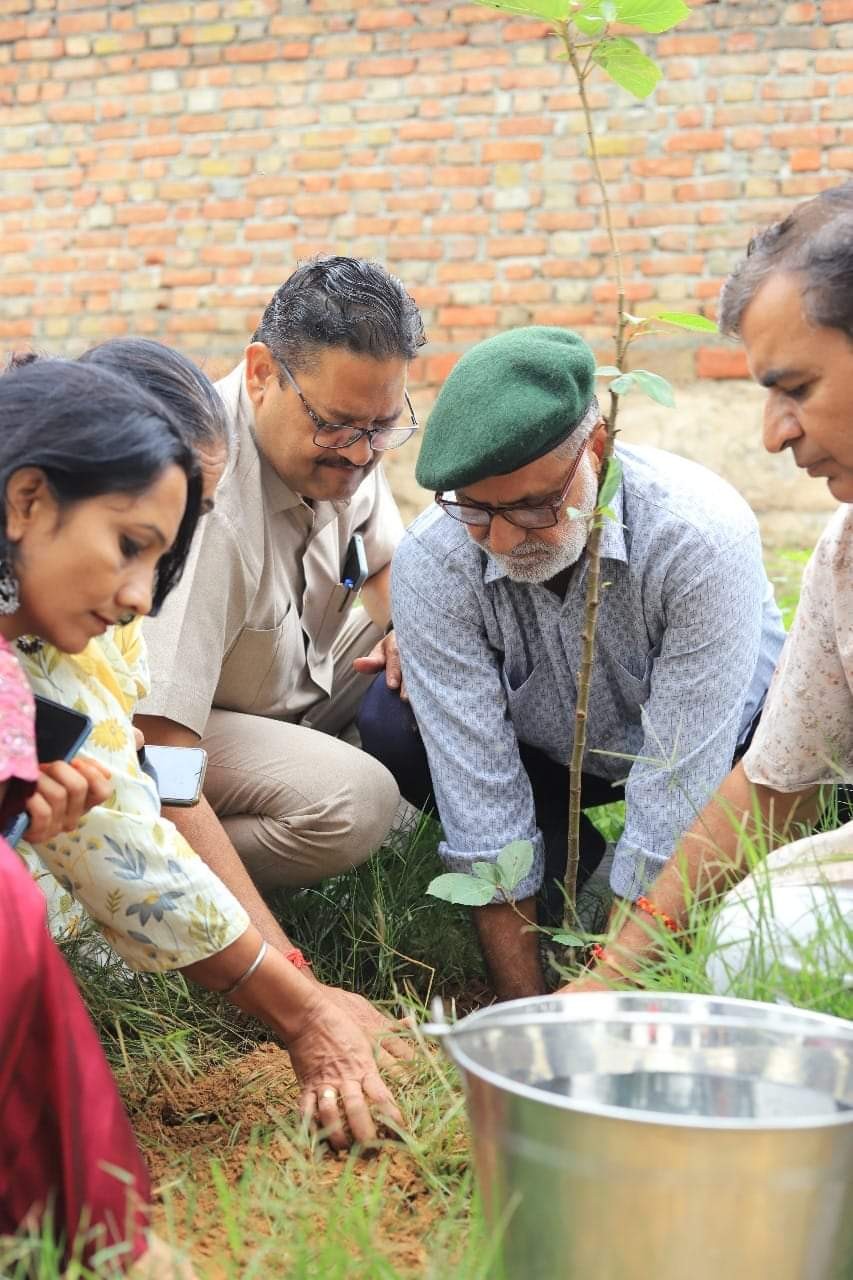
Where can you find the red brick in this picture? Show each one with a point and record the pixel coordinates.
(837, 11)
(721, 362)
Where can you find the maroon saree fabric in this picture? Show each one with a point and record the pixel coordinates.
(65, 1140)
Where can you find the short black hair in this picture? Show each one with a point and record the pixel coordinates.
(815, 242)
(173, 378)
(92, 432)
(340, 302)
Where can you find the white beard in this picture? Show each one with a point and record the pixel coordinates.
(535, 561)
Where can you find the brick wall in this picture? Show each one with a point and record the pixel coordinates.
(165, 165)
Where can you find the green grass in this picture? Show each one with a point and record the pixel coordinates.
(257, 1199)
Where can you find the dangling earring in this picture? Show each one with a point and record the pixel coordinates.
(10, 601)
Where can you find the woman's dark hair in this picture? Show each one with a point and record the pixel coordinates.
(814, 242)
(340, 302)
(92, 433)
(171, 377)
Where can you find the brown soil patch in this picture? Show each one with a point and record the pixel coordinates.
(240, 1118)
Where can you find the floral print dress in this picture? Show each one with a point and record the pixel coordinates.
(154, 899)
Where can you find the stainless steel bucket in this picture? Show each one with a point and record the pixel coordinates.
(631, 1136)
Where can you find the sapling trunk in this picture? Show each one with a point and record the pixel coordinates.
(593, 546)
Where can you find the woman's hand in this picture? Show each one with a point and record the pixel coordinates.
(383, 1033)
(342, 1091)
(64, 792)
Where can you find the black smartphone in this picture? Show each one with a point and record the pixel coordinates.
(354, 573)
(60, 733)
(177, 771)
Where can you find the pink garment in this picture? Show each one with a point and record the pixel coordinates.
(18, 761)
(66, 1144)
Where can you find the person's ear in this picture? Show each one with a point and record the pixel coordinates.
(28, 496)
(260, 368)
(597, 441)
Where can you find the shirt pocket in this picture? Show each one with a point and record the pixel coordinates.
(533, 707)
(255, 674)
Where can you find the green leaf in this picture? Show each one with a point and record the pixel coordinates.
(687, 320)
(465, 891)
(610, 483)
(589, 24)
(651, 15)
(567, 939)
(624, 61)
(514, 863)
(551, 10)
(607, 371)
(486, 871)
(656, 387)
(622, 385)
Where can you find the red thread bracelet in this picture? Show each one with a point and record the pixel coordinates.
(297, 959)
(651, 910)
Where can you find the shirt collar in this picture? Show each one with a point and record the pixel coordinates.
(613, 545)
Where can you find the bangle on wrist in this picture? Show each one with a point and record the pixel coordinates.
(297, 959)
(244, 977)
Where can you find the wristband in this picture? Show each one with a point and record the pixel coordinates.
(297, 959)
(651, 910)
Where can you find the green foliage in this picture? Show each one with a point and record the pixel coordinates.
(624, 61)
(611, 481)
(550, 10)
(686, 320)
(654, 386)
(478, 889)
(608, 819)
(653, 16)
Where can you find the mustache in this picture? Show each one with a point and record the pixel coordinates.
(342, 464)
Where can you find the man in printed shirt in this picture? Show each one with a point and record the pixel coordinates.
(791, 302)
(688, 632)
(259, 653)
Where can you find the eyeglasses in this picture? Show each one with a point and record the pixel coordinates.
(542, 517)
(340, 435)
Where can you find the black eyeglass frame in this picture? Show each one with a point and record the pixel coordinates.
(357, 432)
(552, 509)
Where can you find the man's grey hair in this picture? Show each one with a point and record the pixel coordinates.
(580, 432)
(340, 302)
(815, 242)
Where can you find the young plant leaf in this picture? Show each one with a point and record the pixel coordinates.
(550, 10)
(589, 24)
(464, 891)
(486, 871)
(687, 320)
(656, 387)
(610, 483)
(622, 385)
(514, 863)
(624, 61)
(607, 371)
(567, 939)
(651, 15)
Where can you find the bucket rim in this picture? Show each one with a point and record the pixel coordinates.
(839, 1028)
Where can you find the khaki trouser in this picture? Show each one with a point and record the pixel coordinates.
(298, 803)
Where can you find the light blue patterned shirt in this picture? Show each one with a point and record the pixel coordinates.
(688, 636)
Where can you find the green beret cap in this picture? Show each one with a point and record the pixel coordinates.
(508, 401)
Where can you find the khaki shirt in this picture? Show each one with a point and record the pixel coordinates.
(251, 625)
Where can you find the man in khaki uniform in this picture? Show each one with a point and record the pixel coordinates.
(253, 653)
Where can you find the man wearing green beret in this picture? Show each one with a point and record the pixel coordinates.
(488, 591)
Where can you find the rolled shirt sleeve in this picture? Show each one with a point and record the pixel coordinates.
(153, 898)
(453, 678)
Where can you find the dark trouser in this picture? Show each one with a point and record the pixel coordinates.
(390, 734)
